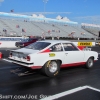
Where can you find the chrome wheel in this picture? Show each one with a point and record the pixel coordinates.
(53, 67)
(90, 62)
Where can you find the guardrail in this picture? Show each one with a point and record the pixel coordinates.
(11, 38)
(11, 44)
(7, 44)
(87, 44)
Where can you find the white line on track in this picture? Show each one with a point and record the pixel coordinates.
(7, 60)
(93, 88)
(56, 96)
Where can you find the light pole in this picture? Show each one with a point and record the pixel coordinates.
(45, 1)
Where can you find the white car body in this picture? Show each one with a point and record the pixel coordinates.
(36, 59)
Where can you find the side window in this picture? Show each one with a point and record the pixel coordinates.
(69, 47)
(56, 48)
(29, 40)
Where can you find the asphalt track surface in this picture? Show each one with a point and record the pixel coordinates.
(35, 85)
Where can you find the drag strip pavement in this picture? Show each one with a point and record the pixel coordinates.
(13, 82)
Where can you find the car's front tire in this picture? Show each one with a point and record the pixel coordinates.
(90, 63)
(51, 68)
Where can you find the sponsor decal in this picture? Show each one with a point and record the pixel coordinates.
(48, 63)
(51, 54)
(84, 43)
(56, 73)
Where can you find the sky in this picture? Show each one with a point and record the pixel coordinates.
(81, 11)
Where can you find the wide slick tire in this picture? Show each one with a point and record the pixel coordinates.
(90, 63)
(51, 68)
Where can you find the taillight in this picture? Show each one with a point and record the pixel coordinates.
(10, 54)
(28, 58)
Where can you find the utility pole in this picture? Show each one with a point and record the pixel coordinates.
(45, 1)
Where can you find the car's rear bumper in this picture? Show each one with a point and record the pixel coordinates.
(30, 65)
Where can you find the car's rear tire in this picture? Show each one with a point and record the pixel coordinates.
(51, 68)
(90, 63)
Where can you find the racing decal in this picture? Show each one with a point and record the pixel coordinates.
(81, 47)
(51, 54)
(45, 51)
(48, 63)
(84, 43)
(56, 73)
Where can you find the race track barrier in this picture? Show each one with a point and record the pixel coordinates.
(11, 44)
(7, 44)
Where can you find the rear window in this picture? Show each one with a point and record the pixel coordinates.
(38, 45)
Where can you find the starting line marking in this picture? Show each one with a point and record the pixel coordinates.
(56, 96)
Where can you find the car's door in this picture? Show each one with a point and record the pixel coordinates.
(72, 54)
(57, 50)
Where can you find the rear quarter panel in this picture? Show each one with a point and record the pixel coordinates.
(40, 59)
(89, 54)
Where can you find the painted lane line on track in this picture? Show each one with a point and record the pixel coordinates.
(56, 96)
(92, 88)
(64, 93)
(7, 60)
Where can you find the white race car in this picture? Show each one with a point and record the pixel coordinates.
(51, 55)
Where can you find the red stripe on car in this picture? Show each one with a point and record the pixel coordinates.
(73, 64)
(45, 51)
(36, 67)
(81, 47)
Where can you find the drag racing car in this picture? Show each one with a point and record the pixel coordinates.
(25, 42)
(51, 55)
